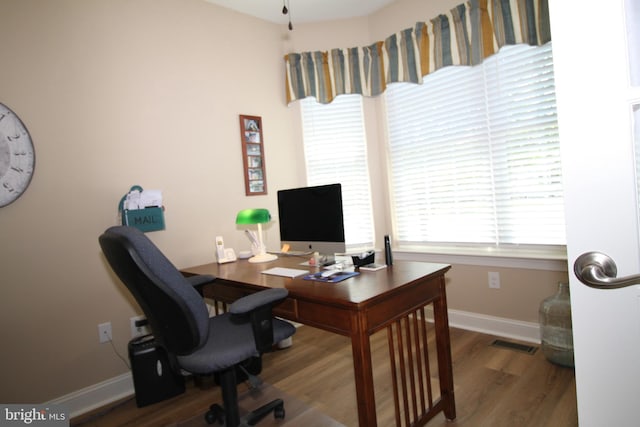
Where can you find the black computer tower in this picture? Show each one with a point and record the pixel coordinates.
(153, 378)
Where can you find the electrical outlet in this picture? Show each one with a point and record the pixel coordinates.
(104, 332)
(494, 280)
(137, 331)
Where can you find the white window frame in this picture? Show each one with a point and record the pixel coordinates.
(407, 134)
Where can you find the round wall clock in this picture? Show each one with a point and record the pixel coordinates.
(17, 156)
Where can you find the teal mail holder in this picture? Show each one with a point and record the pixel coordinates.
(146, 219)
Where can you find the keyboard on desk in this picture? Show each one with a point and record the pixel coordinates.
(293, 253)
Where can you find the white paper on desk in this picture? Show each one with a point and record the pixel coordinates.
(286, 272)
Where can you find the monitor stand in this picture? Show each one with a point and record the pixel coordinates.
(320, 261)
(327, 260)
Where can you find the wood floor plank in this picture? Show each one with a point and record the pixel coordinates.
(493, 387)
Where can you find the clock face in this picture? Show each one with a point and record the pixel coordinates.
(17, 157)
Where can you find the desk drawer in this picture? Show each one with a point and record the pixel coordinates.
(333, 319)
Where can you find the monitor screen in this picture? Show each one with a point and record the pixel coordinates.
(311, 219)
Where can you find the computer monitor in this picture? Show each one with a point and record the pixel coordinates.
(311, 219)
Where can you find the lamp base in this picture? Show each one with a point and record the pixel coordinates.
(264, 257)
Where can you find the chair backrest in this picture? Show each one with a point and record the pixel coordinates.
(177, 314)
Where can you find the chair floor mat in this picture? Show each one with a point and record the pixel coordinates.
(297, 413)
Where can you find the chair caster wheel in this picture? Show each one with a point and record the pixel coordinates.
(215, 414)
(279, 412)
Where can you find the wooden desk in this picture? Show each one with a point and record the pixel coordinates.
(394, 298)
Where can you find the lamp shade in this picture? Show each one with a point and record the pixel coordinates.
(253, 216)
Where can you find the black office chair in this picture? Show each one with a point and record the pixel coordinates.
(180, 322)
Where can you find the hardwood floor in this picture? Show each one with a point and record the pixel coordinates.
(493, 387)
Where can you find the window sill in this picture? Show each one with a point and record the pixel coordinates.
(551, 259)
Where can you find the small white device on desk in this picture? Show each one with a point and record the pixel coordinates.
(224, 255)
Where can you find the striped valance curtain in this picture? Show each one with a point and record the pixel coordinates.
(466, 35)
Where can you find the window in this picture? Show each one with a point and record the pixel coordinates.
(475, 154)
(336, 152)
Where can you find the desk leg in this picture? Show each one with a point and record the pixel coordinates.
(363, 372)
(443, 341)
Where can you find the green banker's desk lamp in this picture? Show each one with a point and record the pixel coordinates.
(257, 216)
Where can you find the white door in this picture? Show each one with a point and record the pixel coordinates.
(595, 99)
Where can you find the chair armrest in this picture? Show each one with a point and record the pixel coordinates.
(257, 308)
(259, 299)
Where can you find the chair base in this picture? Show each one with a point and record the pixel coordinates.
(229, 416)
(251, 366)
(216, 414)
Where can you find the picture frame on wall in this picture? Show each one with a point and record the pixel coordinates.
(251, 136)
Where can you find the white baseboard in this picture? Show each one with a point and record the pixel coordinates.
(89, 398)
(96, 396)
(499, 326)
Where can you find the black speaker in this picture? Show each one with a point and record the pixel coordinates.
(153, 378)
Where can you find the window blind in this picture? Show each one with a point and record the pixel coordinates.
(474, 153)
(336, 152)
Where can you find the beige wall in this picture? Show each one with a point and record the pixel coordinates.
(521, 290)
(117, 93)
(122, 92)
